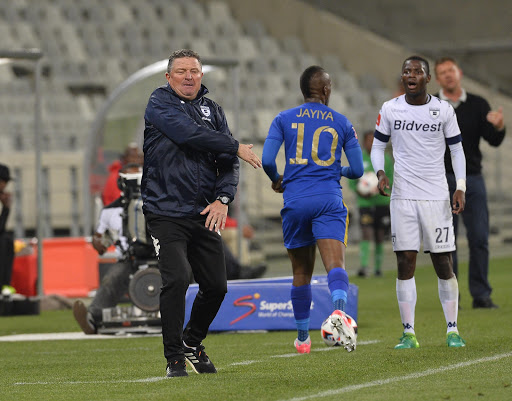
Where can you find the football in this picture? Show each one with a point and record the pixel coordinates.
(332, 334)
(367, 184)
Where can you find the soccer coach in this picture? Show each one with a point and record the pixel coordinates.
(190, 176)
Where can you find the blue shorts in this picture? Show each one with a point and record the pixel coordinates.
(306, 220)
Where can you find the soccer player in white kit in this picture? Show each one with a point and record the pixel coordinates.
(420, 127)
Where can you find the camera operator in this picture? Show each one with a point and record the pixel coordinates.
(111, 229)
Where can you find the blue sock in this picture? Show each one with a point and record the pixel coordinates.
(302, 329)
(337, 280)
(301, 302)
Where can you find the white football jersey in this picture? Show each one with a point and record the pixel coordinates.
(418, 135)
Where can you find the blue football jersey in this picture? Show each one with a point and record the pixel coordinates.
(314, 136)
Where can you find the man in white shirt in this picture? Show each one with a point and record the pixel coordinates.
(420, 126)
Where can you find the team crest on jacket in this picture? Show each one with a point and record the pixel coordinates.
(205, 110)
(434, 113)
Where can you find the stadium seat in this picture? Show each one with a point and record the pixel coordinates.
(292, 45)
(262, 120)
(268, 46)
(369, 82)
(331, 63)
(338, 102)
(259, 65)
(255, 28)
(220, 15)
(24, 35)
(246, 48)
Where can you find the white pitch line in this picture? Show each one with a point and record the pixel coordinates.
(428, 372)
(147, 380)
(69, 336)
(155, 379)
(243, 363)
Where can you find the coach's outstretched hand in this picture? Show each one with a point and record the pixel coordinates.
(245, 153)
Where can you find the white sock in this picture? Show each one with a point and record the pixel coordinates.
(449, 297)
(406, 295)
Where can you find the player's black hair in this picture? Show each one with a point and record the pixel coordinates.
(305, 79)
(180, 54)
(421, 60)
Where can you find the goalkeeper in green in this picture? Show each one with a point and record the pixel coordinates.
(373, 212)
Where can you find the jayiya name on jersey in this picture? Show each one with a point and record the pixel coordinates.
(324, 115)
(414, 126)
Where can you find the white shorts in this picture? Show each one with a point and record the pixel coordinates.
(415, 220)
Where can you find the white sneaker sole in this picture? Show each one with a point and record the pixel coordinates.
(346, 332)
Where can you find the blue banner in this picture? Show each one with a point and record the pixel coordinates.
(265, 304)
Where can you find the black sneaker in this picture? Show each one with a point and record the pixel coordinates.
(362, 272)
(484, 303)
(176, 368)
(198, 360)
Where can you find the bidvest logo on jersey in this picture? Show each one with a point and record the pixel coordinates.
(414, 126)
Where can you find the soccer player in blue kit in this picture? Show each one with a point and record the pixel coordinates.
(314, 213)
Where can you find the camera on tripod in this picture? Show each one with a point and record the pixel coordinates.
(144, 287)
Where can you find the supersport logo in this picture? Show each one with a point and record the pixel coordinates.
(240, 302)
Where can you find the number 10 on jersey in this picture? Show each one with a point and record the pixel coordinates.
(314, 146)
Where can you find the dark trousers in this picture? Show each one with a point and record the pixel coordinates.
(6, 258)
(183, 245)
(476, 221)
(112, 288)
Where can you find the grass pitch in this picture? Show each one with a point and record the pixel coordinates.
(265, 366)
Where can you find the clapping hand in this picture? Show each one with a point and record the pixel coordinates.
(496, 119)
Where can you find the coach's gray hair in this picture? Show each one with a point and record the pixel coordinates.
(180, 54)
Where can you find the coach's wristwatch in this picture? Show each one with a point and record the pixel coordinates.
(223, 199)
